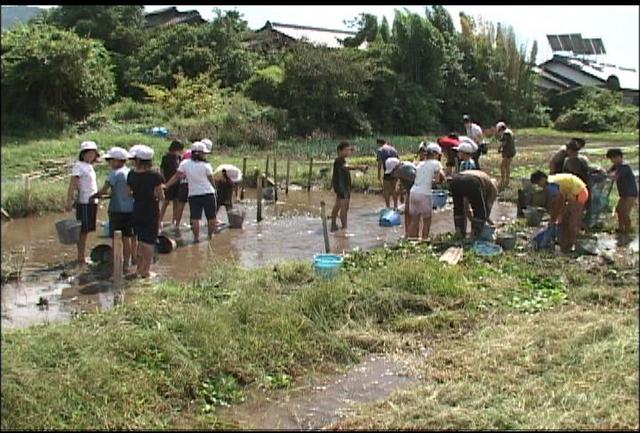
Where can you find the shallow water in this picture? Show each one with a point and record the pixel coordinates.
(290, 230)
(316, 405)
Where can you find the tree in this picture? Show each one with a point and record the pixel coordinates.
(384, 31)
(49, 73)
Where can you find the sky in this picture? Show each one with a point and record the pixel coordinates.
(616, 25)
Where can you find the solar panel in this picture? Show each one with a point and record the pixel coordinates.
(565, 42)
(576, 43)
(598, 46)
(589, 47)
(554, 42)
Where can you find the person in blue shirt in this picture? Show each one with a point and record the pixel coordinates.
(465, 154)
(627, 188)
(121, 203)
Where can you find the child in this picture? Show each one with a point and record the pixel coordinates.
(388, 183)
(226, 178)
(202, 192)
(168, 167)
(465, 154)
(420, 197)
(405, 172)
(627, 188)
(121, 203)
(508, 150)
(341, 183)
(83, 180)
(145, 185)
(567, 195)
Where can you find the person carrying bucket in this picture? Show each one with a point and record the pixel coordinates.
(121, 203)
(82, 187)
(226, 177)
(202, 192)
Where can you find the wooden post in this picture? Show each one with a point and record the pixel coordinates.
(310, 172)
(286, 185)
(27, 189)
(325, 232)
(117, 265)
(275, 179)
(259, 181)
(244, 175)
(266, 169)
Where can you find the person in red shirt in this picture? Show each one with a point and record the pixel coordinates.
(449, 145)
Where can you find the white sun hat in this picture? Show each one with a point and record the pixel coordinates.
(199, 146)
(134, 150)
(500, 125)
(434, 147)
(465, 147)
(88, 145)
(208, 143)
(234, 173)
(390, 164)
(118, 153)
(144, 153)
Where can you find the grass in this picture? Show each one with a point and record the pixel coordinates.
(178, 351)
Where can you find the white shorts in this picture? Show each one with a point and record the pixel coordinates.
(420, 204)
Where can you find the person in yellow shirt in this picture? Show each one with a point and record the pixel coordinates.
(567, 195)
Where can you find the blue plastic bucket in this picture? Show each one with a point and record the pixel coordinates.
(327, 265)
(440, 197)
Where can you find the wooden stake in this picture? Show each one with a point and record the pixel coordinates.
(275, 179)
(27, 189)
(310, 172)
(259, 182)
(117, 264)
(266, 169)
(286, 185)
(244, 175)
(325, 231)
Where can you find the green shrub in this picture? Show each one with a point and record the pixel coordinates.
(264, 85)
(128, 110)
(599, 110)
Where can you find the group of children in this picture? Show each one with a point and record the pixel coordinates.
(567, 189)
(136, 194)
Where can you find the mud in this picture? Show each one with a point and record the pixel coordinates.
(290, 230)
(322, 401)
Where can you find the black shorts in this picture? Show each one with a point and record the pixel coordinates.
(343, 195)
(388, 177)
(172, 192)
(86, 214)
(183, 193)
(206, 202)
(146, 231)
(121, 221)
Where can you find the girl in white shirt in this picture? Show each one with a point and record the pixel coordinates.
(83, 181)
(420, 199)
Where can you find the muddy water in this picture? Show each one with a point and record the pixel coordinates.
(316, 405)
(290, 230)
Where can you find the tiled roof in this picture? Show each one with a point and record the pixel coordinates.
(315, 35)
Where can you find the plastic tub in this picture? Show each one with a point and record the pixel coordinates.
(506, 240)
(533, 216)
(327, 265)
(101, 253)
(165, 245)
(68, 231)
(440, 197)
(487, 232)
(236, 219)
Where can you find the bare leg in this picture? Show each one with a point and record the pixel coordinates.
(414, 226)
(140, 259)
(179, 209)
(147, 258)
(126, 252)
(82, 246)
(426, 226)
(195, 228)
(163, 210)
(386, 193)
(394, 193)
(211, 227)
(407, 217)
(344, 209)
(334, 215)
(507, 171)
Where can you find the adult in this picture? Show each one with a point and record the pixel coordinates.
(449, 145)
(575, 163)
(226, 177)
(389, 183)
(480, 191)
(556, 163)
(474, 131)
(567, 195)
(508, 150)
(202, 192)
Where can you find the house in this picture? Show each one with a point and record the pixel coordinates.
(563, 73)
(170, 16)
(277, 36)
